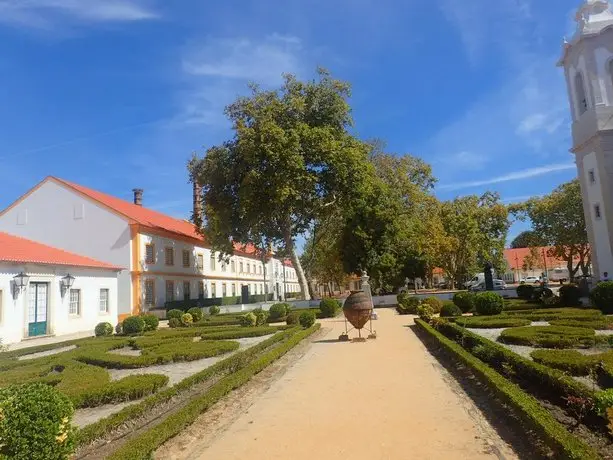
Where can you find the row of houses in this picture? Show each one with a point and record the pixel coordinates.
(109, 258)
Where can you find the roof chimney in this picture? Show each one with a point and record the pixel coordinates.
(197, 197)
(138, 196)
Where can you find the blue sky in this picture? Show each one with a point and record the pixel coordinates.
(117, 94)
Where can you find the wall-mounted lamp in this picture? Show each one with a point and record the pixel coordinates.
(66, 283)
(19, 283)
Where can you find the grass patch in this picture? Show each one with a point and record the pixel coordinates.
(596, 324)
(549, 314)
(491, 322)
(534, 417)
(570, 361)
(551, 336)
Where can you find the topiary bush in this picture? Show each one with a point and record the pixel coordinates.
(35, 423)
(570, 295)
(425, 313)
(151, 322)
(248, 320)
(103, 329)
(119, 329)
(196, 313)
(525, 291)
(174, 313)
(602, 297)
(434, 303)
(329, 308)
(464, 300)
(278, 312)
(174, 322)
(307, 319)
(407, 305)
(214, 310)
(261, 316)
(450, 309)
(187, 319)
(488, 303)
(292, 318)
(133, 325)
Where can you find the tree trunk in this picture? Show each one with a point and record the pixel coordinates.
(291, 249)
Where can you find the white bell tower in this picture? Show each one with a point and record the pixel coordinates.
(587, 60)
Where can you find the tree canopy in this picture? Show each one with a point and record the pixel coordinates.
(527, 239)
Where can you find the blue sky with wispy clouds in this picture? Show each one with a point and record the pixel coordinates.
(117, 94)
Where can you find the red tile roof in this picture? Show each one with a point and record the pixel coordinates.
(149, 218)
(515, 258)
(14, 249)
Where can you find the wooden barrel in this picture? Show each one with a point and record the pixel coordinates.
(357, 309)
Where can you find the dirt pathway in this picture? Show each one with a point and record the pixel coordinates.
(384, 399)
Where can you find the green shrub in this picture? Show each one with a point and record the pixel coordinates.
(602, 297)
(249, 320)
(292, 318)
(261, 316)
(175, 313)
(488, 303)
(548, 314)
(329, 308)
(103, 329)
(151, 322)
(119, 329)
(541, 293)
(187, 319)
(175, 322)
(307, 319)
(570, 295)
(196, 313)
(492, 322)
(278, 312)
(464, 300)
(450, 310)
(407, 305)
(551, 301)
(214, 310)
(525, 291)
(425, 312)
(603, 400)
(550, 336)
(35, 423)
(570, 361)
(596, 324)
(434, 303)
(133, 325)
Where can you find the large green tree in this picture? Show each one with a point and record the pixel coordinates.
(526, 239)
(290, 162)
(558, 220)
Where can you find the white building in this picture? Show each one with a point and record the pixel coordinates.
(588, 66)
(47, 291)
(165, 258)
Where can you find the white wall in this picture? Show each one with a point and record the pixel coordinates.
(14, 310)
(57, 216)
(601, 231)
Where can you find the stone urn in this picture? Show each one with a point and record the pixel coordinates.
(357, 309)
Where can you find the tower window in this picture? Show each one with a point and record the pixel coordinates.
(580, 94)
(597, 213)
(591, 176)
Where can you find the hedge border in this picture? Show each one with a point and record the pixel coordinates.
(142, 446)
(532, 414)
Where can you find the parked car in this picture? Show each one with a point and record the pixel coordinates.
(530, 280)
(498, 285)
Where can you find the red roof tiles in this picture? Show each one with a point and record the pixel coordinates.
(14, 249)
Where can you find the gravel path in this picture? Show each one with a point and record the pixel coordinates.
(55, 351)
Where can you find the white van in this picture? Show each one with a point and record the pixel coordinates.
(478, 279)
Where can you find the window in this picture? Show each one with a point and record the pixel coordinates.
(224, 291)
(233, 290)
(186, 290)
(580, 94)
(149, 293)
(104, 300)
(212, 261)
(150, 253)
(591, 176)
(223, 266)
(260, 289)
(74, 307)
(597, 211)
(185, 258)
(200, 261)
(233, 266)
(170, 291)
(201, 289)
(170, 255)
(260, 269)
(213, 290)
(240, 267)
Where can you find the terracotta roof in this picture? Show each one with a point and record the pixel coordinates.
(150, 218)
(515, 258)
(15, 249)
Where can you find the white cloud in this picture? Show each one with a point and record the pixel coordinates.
(47, 13)
(517, 175)
(519, 199)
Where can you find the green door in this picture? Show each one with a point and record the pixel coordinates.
(37, 310)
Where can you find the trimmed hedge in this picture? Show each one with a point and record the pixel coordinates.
(407, 305)
(151, 322)
(306, 319)
(550, 336)
(133, 325)
(570, 295)
(465, 301)
(434, 303)
(492, 322)
(175, 313)
(103, 330)
(532, 415)
(525, 291)
(329, 308)
(602, 297)
(450, 310)
(548, 314)
(570, 361)
(597, 324)
(488, 304)
(143, 445)
(278, 312)
(196, 313)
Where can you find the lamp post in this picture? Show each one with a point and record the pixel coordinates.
(20, 281)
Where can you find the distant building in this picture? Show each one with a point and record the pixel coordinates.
(587, 60)
(521, 264)
(165, 259)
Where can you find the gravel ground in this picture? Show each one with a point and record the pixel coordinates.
(55, 351)
(125, 351)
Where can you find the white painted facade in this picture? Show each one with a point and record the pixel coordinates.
(55, 214)
(16, 308)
